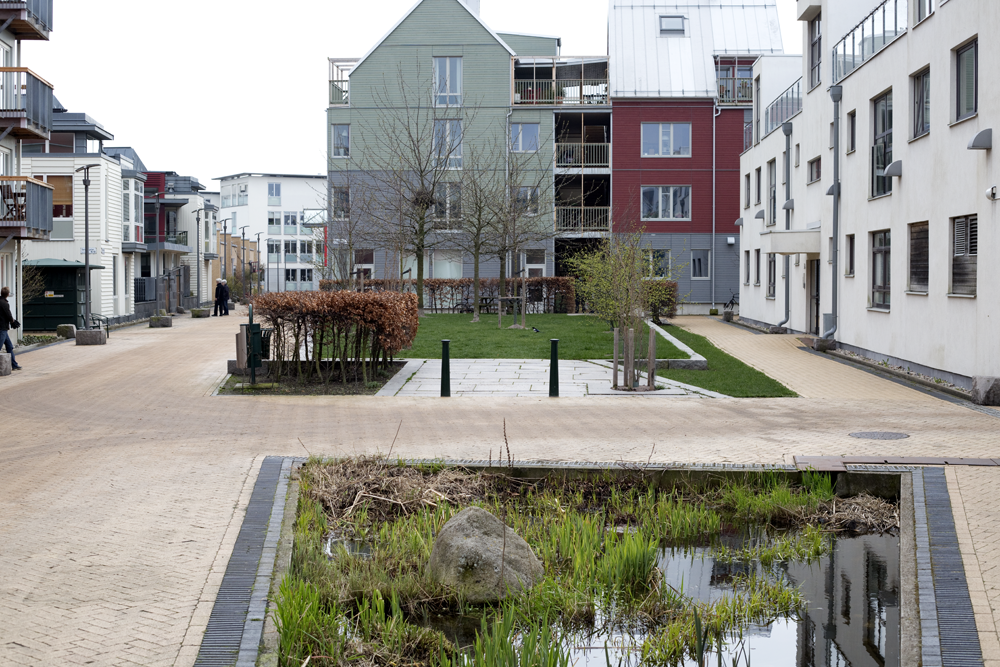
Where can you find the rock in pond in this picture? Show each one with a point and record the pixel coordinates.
(467, 555)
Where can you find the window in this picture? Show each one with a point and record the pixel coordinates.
(242, 191)
(364, 261)
(534, 261)
(772, 193)
(666, 140)
(881, 269)
(852, 131)
(658, 264)
(815, 50)
(62, 195)
(306, 275)
(922, 103)
(797, 154)
(746, 267)
(126, 204)
(700, 264)
(967, 80)
(447, 205)
(757, 182)
(306, 247)
(290, 275)
(882, 148)
(672, 26)
(291, 219)
(919, 259)
(965, 242)
(666, 202)
(815, 170)
(138, 207)
(527, 200)
(746, 191)
(114, 275)
(850, 255)
(341, 203)
(756, 267)
(341, 141)
(448, 143)
(756, 108)
(784, 166)
(833, 137)
(924, 9)
(524, 137)
(273, 220)
(772, 274)
(274, 194)
(447, 82)
(273, 247)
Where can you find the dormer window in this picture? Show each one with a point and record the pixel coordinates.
(672, 26)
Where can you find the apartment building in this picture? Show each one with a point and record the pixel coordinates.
(890, 94)
(682, 90)
(284, 213)
(25, 114)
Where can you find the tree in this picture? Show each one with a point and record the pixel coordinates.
(32, 280)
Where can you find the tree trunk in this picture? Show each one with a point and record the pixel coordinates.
(475, 284)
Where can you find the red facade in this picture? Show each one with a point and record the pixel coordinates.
(631, 171)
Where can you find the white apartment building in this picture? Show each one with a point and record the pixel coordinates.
(898, 278)
(286, 213)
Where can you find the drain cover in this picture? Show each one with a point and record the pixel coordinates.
(879, 435)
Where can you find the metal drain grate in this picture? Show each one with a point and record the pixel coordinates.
(879, 435)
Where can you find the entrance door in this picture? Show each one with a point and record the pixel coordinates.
(812, 287)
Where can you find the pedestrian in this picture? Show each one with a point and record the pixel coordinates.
(7, 323)
(218, 297)
(225, 298)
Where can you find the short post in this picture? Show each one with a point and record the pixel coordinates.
(445, 370)
(614, 381)
(554, 370)
(630, 359)
(651, 368)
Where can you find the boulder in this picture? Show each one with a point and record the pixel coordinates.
(986, 390)
(472, 551)
(163, 312)
(66, 330)
(201, 312)
(160, 321)
(179, 310)
(91, 337)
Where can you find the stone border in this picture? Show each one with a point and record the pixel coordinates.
(694, 362)
(402, 376)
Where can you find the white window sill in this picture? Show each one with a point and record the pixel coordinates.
(967, 118)
(816, 181)
(915, 293)
(665, 157)
(851, 152)
(756, 284)
(848, 275)
(705, 278)
(769, 298)
(961, 296)
(877, 197)
(878, 310)
(814, 87)
(917, 138)
(921, 21)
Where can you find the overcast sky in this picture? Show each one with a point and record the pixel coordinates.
(209, 88)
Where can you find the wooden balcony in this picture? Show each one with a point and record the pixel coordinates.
(25, 208)
(569, 156)
(25, 104)
(29, 19)
(580, 219)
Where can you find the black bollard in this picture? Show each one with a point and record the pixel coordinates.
(445, 369)
(554, 370)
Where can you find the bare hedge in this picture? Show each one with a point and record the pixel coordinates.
(554, 294)
(359, 332)
(661, 295)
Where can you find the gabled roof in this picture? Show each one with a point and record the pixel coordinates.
(407, 15)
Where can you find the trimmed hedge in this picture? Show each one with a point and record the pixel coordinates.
(556, 294)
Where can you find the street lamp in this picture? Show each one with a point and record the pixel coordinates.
(243, 233)
(86, 241)
(225, 248)
(197, 255)
(258, 261)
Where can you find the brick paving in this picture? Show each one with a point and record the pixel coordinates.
(122, 479)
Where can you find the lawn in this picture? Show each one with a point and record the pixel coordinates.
(725, 374)
(580, 337)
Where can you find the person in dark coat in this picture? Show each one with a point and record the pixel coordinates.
(7, 322)
(225, 298)
(218, 297)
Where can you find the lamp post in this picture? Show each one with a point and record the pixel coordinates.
(197, 255)
(86, 242)
(225, 248)
(258, 261)
(243, 233)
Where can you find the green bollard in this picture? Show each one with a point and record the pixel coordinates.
(445, 370)
(554, 370)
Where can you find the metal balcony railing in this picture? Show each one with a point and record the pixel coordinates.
(747, 135)
(41, 11)
(560, 91)
(340, 81)
(25, 102)
(880, 28)
(735, 90)
(583, 155)
(25, 204)
(784, 107)
(583, 219)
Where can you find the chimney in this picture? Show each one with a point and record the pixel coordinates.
(473, 6)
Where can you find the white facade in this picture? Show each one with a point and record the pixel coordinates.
(934, 307)
(274, 206)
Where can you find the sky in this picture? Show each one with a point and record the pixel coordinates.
(209, 88)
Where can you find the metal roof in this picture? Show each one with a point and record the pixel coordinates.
(59, 264)
(645, 64)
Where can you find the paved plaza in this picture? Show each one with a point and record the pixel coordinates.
(123, 478)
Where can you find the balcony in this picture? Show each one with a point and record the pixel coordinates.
(879, 29)
(569, 156)
(25, 208)
(340, 81)
(734, 91)
(790, 242)
(172, 241)
(580, 219)
(29, 19)
(784, 107)
(25, 103)
(560, 81)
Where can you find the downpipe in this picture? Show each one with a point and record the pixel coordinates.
(786, 128)
(836, 93)
(713, 260)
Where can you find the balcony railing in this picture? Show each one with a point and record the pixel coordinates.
(583, 155)
(787, 105)
(29, 19)
(25, 208)
(560, 91)
(583, 219)
(340, 81)
(291, 257)
(25, 103)
(874, 33)
(747, 135)
(737, 90)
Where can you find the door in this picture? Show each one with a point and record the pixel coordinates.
(812, 289)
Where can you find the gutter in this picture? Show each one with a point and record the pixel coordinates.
(836, 93)
(787, 129)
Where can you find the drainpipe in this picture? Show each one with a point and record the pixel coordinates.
(786, 128)
(713, 260)
(836, 92)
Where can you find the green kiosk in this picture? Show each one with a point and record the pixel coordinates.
(62, 300)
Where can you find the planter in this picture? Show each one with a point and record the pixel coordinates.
(91, 337)
(201, 312)
(159, 322)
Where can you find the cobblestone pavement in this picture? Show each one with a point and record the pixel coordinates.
(123, 480)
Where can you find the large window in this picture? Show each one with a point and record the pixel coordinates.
(62, 194)
(448, 143)
(919, 257)
(922, 103)
(527, 200)
(967, 80)
(666, 140)
(772, 274)
(524, 137)
(815, 50)
(666, 202)
(448, 82)
(447, 205)
(341, 203)
(965, 242)
(700, 260)
(341, 141)
(658, 264)
(274, 194)
(291, 275)
(882, 146)
(881, 269)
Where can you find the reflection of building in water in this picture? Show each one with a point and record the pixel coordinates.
(852, 608)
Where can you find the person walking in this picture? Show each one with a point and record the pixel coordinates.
(7, 322)
(225, 298)
(218, 297)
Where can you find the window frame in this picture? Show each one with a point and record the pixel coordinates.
(274, 194)
(662, 258)
(756, 273)
(517, 140)
(340, 196)
(746, 187)
(772, 275)
(531, 209)
(453, 156)
(708, 264)
(851, 245)
(923, 9)
(918, 257)
(659, 202)
(757, 184)
(659, 142)
(274, 219)
(447, 198)
(772, 193)
(921, 103)
(965, 256)
(812, 177)
(881, 293)
(746, 268)
(883, 139)
(672, 32)
(338, 148)
(959, 52)
(852, 130)
(453, 94)
(815, 51)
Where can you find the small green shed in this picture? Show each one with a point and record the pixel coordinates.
(63, 299)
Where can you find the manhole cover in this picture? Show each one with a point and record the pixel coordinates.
(879, 435)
